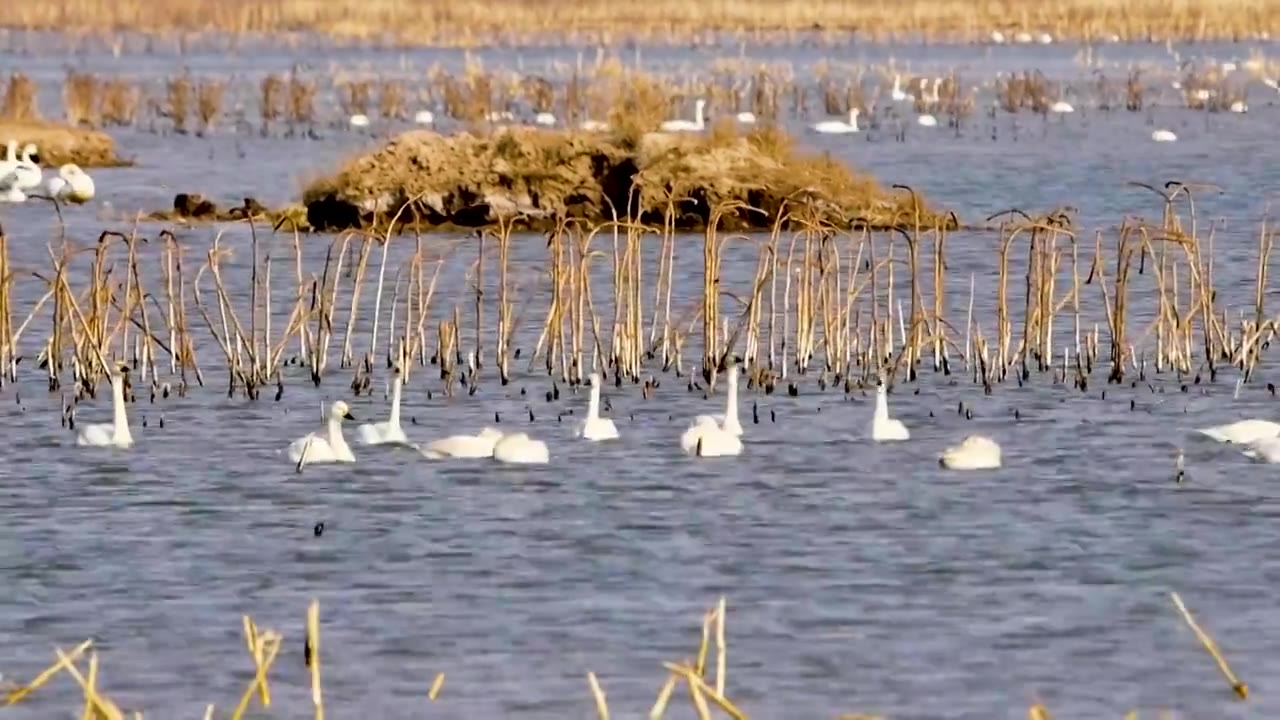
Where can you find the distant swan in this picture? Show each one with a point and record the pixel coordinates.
(520, 449)
(931, 95)
(389, 432)
(594, 126)
(705, 438)
(359, 120)
(326, 447)
(479, 445)
(882, 426)
(1164, 136)
(746, 118)
(681, 125)
(545, 119)
(1243, 432)
(838, 127)
(1239, 106)
(974, 453)
(897, 93)
(28, 170)
(116, 433)
(1061, 107)
(71, 184)
(424, 117)
(596, 427)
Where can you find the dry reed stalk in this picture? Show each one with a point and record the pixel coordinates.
(80, 99)
(264, 649)
(436, 686)
(313, 645)
(272, 102)
(178, 102)
(19, 99)
(119, 103)
(15, 696)
(209, 96)
(301, 108)
(1237, 686)
(602, 707)
(391, 100)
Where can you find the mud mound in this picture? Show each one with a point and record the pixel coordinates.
(59, 144)
(540, 175)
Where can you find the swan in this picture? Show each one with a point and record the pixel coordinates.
(424, 117)
(1061, 107)
(520, 449)
(389, 432)
(997, 37)
(479, 445)
(1164, 136)
(544, 118)
(596, 427)
(1044, 38)
(326, 447)
(681, 125)
(746, 117)
(71, 184)
(729, 420)
(882, 426)
(9, 190)
(839, 127)
(1243, 432)
(594, 126)
(1239, 106)
(501, 116)
(927, 119)
(975, 452)
(1022, 37)
(27, 169)
(706, 438)
(359, 120)
(897, 93)
(115, 433)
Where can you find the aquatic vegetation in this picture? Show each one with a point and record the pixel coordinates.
(60, 144)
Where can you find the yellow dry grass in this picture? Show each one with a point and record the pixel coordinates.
(59, 143)
(449, 23)
(540, 175)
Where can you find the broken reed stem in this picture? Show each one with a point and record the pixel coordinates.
(1241, 690)
(16, 696)
(313, 642)
(602, 707)
(264, 651)
(436, 686)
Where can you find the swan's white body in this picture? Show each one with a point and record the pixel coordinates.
(838, 127)
(424, 117)
(389, 432)
(1239, 106)
(544, 118)
(747, 118)
(596, 427)
(328, 446)
(26, 174)
(113, 434)
(479, 445)
(1164, 136)
(729, 420)
(520, 449)
(358, 120)
(501, 116)
(71, 184)
(1061, 107)
(1266, 450)
(681, 125)
(9, 190)
(1243, 432)
(897, 93)
(927, 120)
(975, 452)
(706, 438)
(594, 126)
(883, 427)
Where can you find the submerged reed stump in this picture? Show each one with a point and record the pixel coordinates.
(58, 143)
(541, 177)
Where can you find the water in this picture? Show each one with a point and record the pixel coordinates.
(860, 577)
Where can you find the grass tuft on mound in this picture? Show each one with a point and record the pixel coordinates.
(59, 144)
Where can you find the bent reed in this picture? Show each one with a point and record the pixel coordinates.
(511, 22)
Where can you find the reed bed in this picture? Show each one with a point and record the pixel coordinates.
(433, 22)
(703, 676)
(60, 143)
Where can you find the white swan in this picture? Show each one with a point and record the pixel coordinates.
(746, 117)
(594, 126)
(9, 190)
(501, 116)
(479, 445)
(706, 438)
(115, 433)
(897, 93)
(975, 452)
(882, 426)
(1267, 450)
(71, 184)
(838, 127)
(1243, 432)
(328, 446)
(424, 117)
(681, 125)
(931, 95)
(596, 427)
(359, 120)
(389, 432)
(1061, 106)
(28, 172)
(520, 449)
(545, 119)
(1239, 106)
(1164, 136)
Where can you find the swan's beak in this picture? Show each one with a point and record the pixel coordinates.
(348, 416)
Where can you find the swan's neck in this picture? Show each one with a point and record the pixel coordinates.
(593, 406)
(11, 155)
(882, 406)
(335, 433)
(897, 83)
(119, 420)
(731, 405)
(394, 420)
(697, 115)
(853, 118)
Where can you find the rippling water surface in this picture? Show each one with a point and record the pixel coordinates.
(860, 577)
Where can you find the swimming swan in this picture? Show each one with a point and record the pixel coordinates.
(520, 449)
(479, 445)
(328, 446)
(1243, 432)
(1163, 136)
(389, 432)
(115, 433)
(729, 420)
(882, 426)
(682, 125)
(838, 127)
(29, 174)
(71, 184)
(975, 452)
(596, 427)
(706, 438)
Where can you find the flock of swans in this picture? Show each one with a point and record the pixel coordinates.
(708, 436)
(21, 174)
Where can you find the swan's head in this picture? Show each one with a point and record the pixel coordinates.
(593, 379)
(340, 411)
(702, 102)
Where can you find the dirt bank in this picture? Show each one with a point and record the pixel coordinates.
(540, 175)
(59, 144)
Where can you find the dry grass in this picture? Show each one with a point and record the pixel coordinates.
(60, 143)
(447, 23)
(539, 176)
